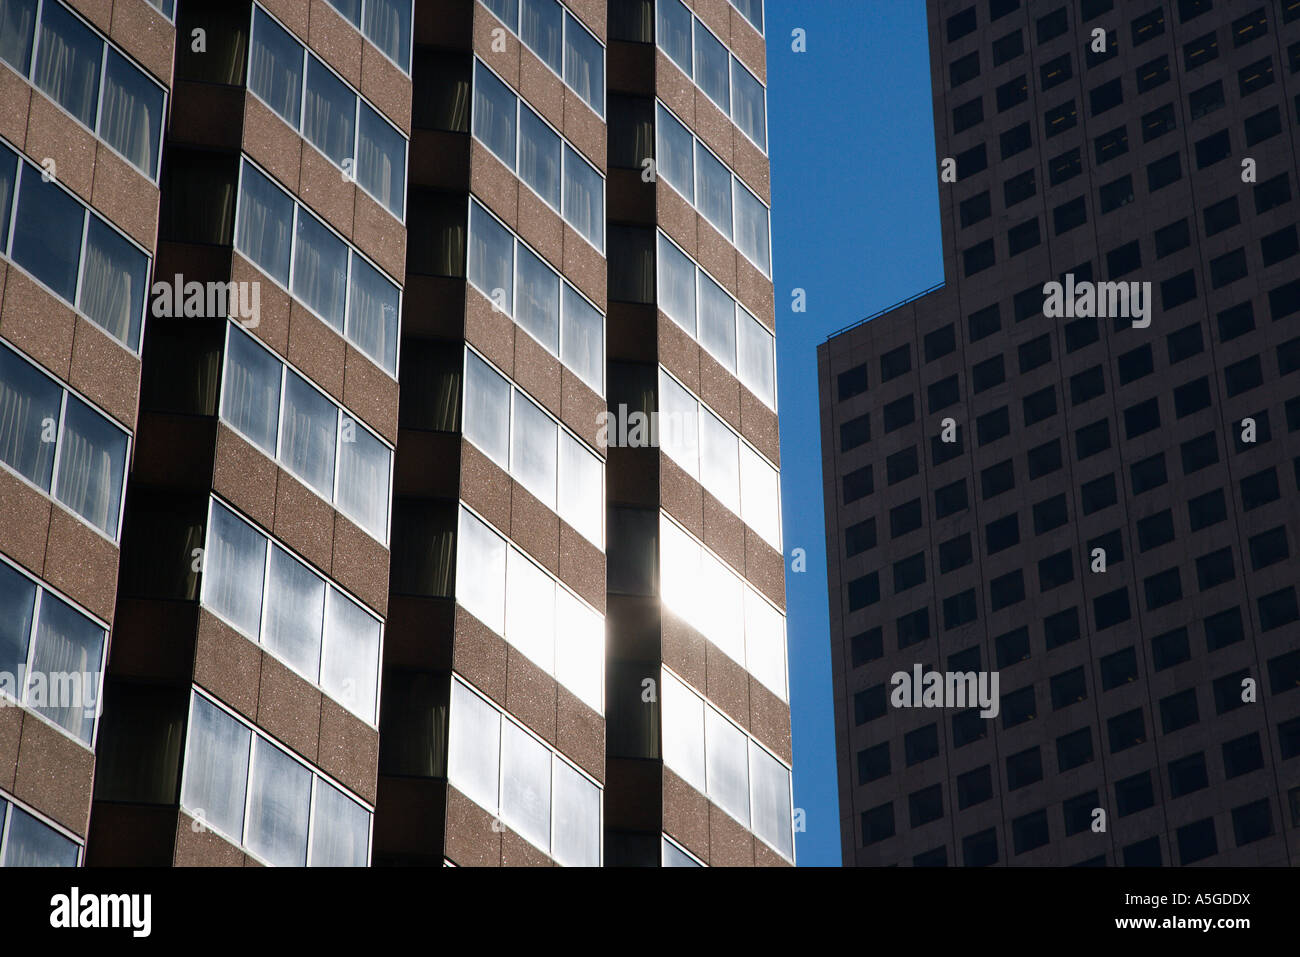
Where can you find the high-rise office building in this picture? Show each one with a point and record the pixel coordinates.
(378, 270)
(1096, 504)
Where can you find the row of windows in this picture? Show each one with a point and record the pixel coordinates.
(690, 167)
(54, 650)
(291, 610)
(717, 758)
(561, 42)
(522, 438)
(71, 250)
(722, 606)
(300, 427)
(715, 455)
(503, 588)
(541, 158)
(28, 841)
(328, 113)
(502, 767)
(523, 286)
(714, 69)
(302, 254)
(260, 797)
(81, 71)
(62, 444)
(690, 297)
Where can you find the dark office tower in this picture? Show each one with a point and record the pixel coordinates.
(1166, 454)
(307, 306)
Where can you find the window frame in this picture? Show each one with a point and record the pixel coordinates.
(361, 13)
(567, 16)
(6, 817)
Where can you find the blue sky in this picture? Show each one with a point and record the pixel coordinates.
(855, 224)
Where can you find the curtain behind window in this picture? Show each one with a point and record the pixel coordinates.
(29, 412)
(68, 62)
(441, 97)
(131, 118)
(17, 17)
(138, 752)
(423, 547)
(631, 264)
(92, 460)
(372, 314)
(69, 643)
(435, 404)
(388, 24)
(265, 224)
(275, 68)
(113, 280)
(31, 843)
(632, 20)
(413, 725)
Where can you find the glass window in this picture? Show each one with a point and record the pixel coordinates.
(720, 613)
(234, 562)
(113, 281)
(533, 450)
(481, 572)
(350, 9)
(381, 160)
(17, 24)
(713, 188)
(275, 67)
(765, 643)
(265, 230)
(673, 31)
(747, 105)
(771, 791)
(717, 322)
(320, 269)
(372, 314)
(329, 113)
(676, 292)
(388, 25)
(683, 732)
(760, 496)
(579, 649)
(47, 233)
(719, 460)
(216, 768)
(526, 784)
(757, 358)
(494, 114)
(279, 806)
(581, 489)
(530, 610)
(68, 57)
(674, 145)
(537, 300)
(92, 466)
(577, 827)
(29, 419)
(539, 156)
(491, 257)
(295, 613)
(752, 10)
(584, 64)
(582, 338)
(487, 410)
(33, 843)
(752, 237)
(363, 478)
(541, 23)
(250, 398)
(69, 643)
(17, 606)
(350, 662)
(679, 424)
(8, 184)
(679, 571)
(711, 67)
(726, 754)
(507, 11)
(584, 198)
(474, 748)
(308, 434)
(131, 118)
(674, 856)
(340, 830)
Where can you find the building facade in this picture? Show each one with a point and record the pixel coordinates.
(1095, 505)
(332, 528)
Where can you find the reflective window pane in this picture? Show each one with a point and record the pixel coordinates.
(683, 732)
(113, 283)
(17, 27)
(474, 748)
(295, 613)
(539, 156)
(131, 119)
(234, 563)
(216, 768)
(381, 161)
(757, 358)
(679, 424)
(8, 186)
(718, 322)
(68, 59)
(340, 830)
(372, 314)
(541, 23)
(29, 418)
(526, 784)
(307, 434)
(713, 184)
(388, 25)
(275, 67)
(481, 572)
(47, 233)
(17, 605)
(579, 649)
(250, 390)
(92, 466)
(33, 843)
(530, 610)
(680, 581)
(320, 269)
(726, 751)
(673, 32)
(771, 783)
(584, 198)
(712, 66)
(760, 496)
(279, 806)
(350, 10)
(487, 409)
(765, 643)
(581, 489)
(265, 230)
(751, 228)
(537, 299)
(494, 114)
(584, 64)
(329, 113)
(491, 258)
(533, 451)
(674, 856)
(720, 460)
(350, 662)
(364, 470)
(70, 654)
(673, 151)
(721, 614)
(577, 818)
(507, 11)
(582, 338)
(676, 282)
(747, 107)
